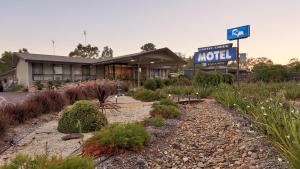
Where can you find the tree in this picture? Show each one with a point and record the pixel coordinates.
(85, 51)
(9, 60)
(251, 62)
(23, 50)
(148, 47)
(294, 65)
(107, 52)
(269, 73)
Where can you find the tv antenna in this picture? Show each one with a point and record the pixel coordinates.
(84, 34)
(53, 47)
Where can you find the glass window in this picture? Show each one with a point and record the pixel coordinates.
(85, 69)
(58, 69)
(37, 68)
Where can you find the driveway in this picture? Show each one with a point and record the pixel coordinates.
(12, 97)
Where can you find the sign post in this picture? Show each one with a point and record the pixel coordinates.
(237, 34)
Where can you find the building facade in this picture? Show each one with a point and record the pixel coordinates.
(134, 68)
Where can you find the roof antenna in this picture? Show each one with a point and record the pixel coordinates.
(84, 34)
(53, 47)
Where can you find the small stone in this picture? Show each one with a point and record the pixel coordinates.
(200, 164)
(185, 159)
(220, 150)
(254, 155)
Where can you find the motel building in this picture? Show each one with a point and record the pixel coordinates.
(133, 68)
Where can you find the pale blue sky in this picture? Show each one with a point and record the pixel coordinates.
(125, 25)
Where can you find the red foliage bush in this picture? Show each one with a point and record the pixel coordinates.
(97, 150)
(3, 124)
(73, 94)
(55, 98)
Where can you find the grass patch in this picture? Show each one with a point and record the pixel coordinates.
(43, 162)
(116, 137)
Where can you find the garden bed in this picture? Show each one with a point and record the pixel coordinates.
(44, 137)
(206, 136)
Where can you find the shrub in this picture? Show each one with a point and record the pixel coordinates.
(167, 102)
(227, 78)
(16, 88)
(269, 73)
(212, 78)
(42, 162)
(292, 93)
(150, 84)
(130, 136)
(57, 101)
(83, 116)
(39, 85)
(149, 95)
(3, 125)
(73, 94)
(166, 111)
(157, 121)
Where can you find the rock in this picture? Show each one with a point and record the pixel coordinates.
(200, 164)
(185, 159)
(176, 146)
(141, 163)
(254, 155)
(72, 136)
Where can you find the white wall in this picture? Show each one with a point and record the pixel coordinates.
(23, 72)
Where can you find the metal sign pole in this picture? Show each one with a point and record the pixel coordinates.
(238, 63)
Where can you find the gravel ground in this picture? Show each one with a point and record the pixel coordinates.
(207, 136)
(32, 138)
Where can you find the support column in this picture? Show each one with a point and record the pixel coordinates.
(139, 75)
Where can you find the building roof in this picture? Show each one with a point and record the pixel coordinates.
(125, 58)
(54, 58)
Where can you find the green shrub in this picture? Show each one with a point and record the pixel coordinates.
(16, 88)
(153, 84)
(39, 85)
(167, 102)
(130, 136)
(292, 93)
(203, 92)
(166, 111)
(227, 78)
(167, 82)
(157, 121)
(83, 116)
(269, 73)
(212, 78)
(149, 95)
(43, 162)
(150, 84)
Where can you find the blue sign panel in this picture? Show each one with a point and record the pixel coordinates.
(224, 46)
(238, 33)
(215, 55)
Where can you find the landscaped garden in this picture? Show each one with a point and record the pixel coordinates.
(176, 120)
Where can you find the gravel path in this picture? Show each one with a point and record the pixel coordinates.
(207, 136)
(34, 141)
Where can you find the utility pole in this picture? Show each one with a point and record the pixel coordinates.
(84, 34)
(53, 47)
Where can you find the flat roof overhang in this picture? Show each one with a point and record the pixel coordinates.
(157, 57)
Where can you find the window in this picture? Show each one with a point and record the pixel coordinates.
(85, 70)
(37, 68)
(58, 69)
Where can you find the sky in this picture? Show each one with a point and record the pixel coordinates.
(125, 25)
